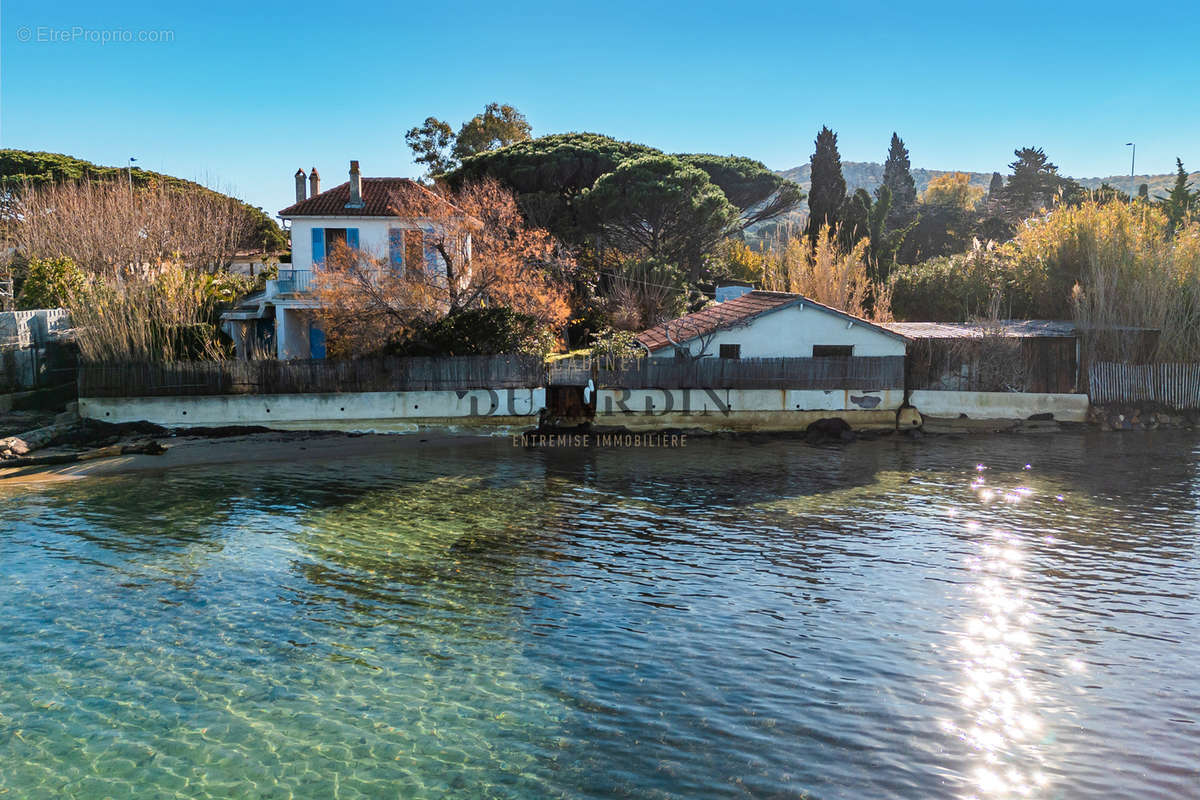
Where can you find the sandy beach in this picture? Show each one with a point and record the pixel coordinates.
(193, 451)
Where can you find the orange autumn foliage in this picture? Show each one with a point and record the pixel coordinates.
(489, 258)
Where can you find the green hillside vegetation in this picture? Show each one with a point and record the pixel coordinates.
(31, 168)
(869, 174)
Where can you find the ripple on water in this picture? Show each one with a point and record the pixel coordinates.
(734, 619)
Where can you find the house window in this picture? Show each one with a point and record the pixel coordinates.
(328, 241)
(334, 237)
(414, 251)
(833, 350)
(731, 351)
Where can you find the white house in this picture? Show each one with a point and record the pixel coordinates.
(361, 214)
(758, 324)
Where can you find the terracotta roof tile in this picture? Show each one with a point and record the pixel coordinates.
(380, 197)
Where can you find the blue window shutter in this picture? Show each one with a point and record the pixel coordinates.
(318, 245)
(396, 248)
(431, 264)
(352, 238)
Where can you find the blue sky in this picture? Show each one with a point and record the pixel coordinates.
(243, 93)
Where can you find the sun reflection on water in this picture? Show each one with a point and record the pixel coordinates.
(1000, 720)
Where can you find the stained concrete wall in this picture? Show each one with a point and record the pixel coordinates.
(744, 410)
(747, 409)
(356, 411)
(999, 405)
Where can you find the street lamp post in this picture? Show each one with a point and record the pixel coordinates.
(1132, 162)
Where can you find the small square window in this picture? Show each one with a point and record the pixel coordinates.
(833, 350)
(731, 351)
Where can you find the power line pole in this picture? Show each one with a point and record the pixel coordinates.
(1132, 162)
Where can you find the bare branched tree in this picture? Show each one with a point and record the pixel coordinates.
(108, 227)
(489, 253)
(363, 303)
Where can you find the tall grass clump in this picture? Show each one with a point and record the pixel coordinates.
(165, 313)
(828, 272)
(1111, 266)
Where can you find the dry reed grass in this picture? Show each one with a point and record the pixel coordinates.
(159, 314)
(1119, 268)
(827, 272)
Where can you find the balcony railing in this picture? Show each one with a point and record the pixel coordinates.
(292, 281)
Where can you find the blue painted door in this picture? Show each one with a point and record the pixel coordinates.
(316, 341)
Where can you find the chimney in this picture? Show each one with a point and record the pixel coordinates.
(314, 183)
(356, 200)
(300, 196)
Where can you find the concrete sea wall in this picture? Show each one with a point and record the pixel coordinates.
(999, 405)
(351, 411)
(715, 410)
(747, 410)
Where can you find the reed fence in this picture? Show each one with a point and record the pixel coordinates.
(1176, 386)
(190, 378)
(316, 376)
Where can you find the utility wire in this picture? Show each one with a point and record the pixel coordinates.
(642, 282)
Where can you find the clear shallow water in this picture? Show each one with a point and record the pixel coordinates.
(735, 619)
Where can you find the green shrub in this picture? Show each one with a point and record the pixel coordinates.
(953, 288)
(49, 283)
(478, 332)
(610, 345)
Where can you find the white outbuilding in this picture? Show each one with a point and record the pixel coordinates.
(760, 324)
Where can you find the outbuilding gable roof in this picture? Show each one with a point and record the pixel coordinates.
(741, 310)
(381, 197)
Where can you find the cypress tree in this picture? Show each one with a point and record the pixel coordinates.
(828, 191)
(996, 187)
(1178, 204)
(897, 176)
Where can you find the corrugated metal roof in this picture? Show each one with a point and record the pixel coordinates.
(1013, 328)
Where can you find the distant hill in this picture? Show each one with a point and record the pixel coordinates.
(20, 167)
(868, 175)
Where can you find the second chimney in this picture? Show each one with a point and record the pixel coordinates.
(314, 183)
(356, 200)
(300, 195)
